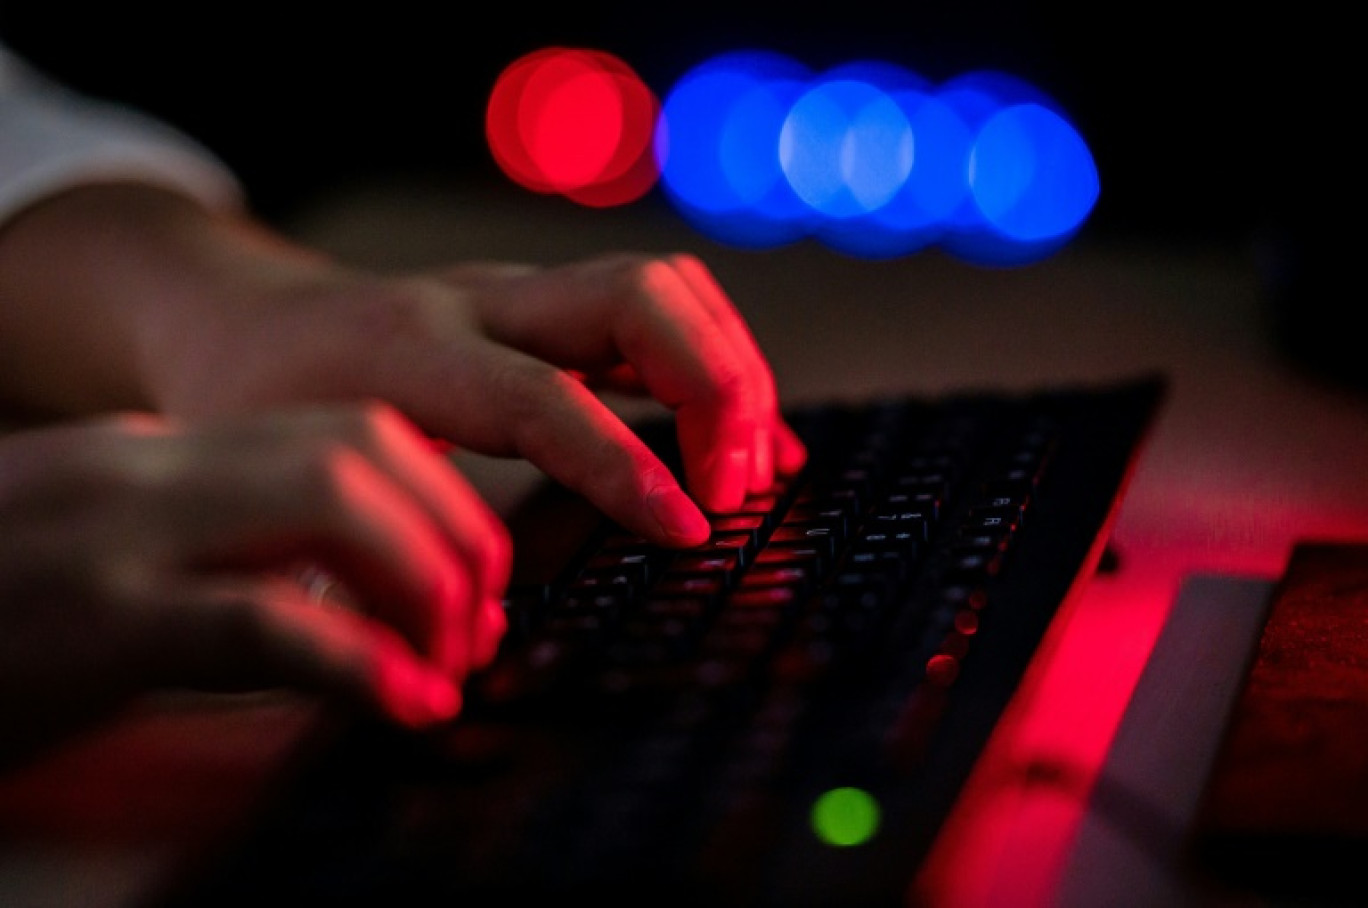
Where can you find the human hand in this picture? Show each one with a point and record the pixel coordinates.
(504, 359)
(139, 554)
(148, 301)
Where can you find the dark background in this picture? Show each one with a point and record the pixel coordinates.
(1186, 113)
(1236, 128)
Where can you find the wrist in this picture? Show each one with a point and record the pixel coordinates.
(114, 290)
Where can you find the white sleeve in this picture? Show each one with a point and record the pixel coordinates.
(52, 138)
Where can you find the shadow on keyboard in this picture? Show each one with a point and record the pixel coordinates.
(784, 716)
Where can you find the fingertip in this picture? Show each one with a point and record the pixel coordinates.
(491, 626)
(413, 695)
(790, 451)
(726, 479)
(762, 461)
(678, 517)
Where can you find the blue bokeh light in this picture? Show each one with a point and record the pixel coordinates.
(756, 150)
(717, 149)
(845, 147)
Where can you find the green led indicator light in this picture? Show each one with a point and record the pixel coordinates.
(845, 816)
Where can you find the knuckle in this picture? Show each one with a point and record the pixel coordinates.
(654, 283)
(369, 421)
(324, 476)
(399, 310)
(636, 279)
(685, 261)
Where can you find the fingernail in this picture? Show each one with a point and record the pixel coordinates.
(416, 696)
(492, 625)
(730, 477)
(678, 516)
(762, 461)
(792, 453)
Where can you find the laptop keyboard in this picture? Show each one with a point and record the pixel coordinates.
(783, 716)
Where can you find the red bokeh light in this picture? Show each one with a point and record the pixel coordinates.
(574, 122)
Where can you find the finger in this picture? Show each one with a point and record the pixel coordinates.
(469, 526)
(777, 447)
(648, 312)
(557, 423)
(491, 631)
(504, 402)
(501, 401)
(715, 302)
(790, 451)
(466, 521)
(488, 619)
(378, 483)
(386, 549)
(251, 633)
(326, 503)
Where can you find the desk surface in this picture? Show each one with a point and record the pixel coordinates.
(1249, 456)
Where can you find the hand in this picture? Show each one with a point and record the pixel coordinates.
(139, 555)
(503, 359)
(200, 316)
